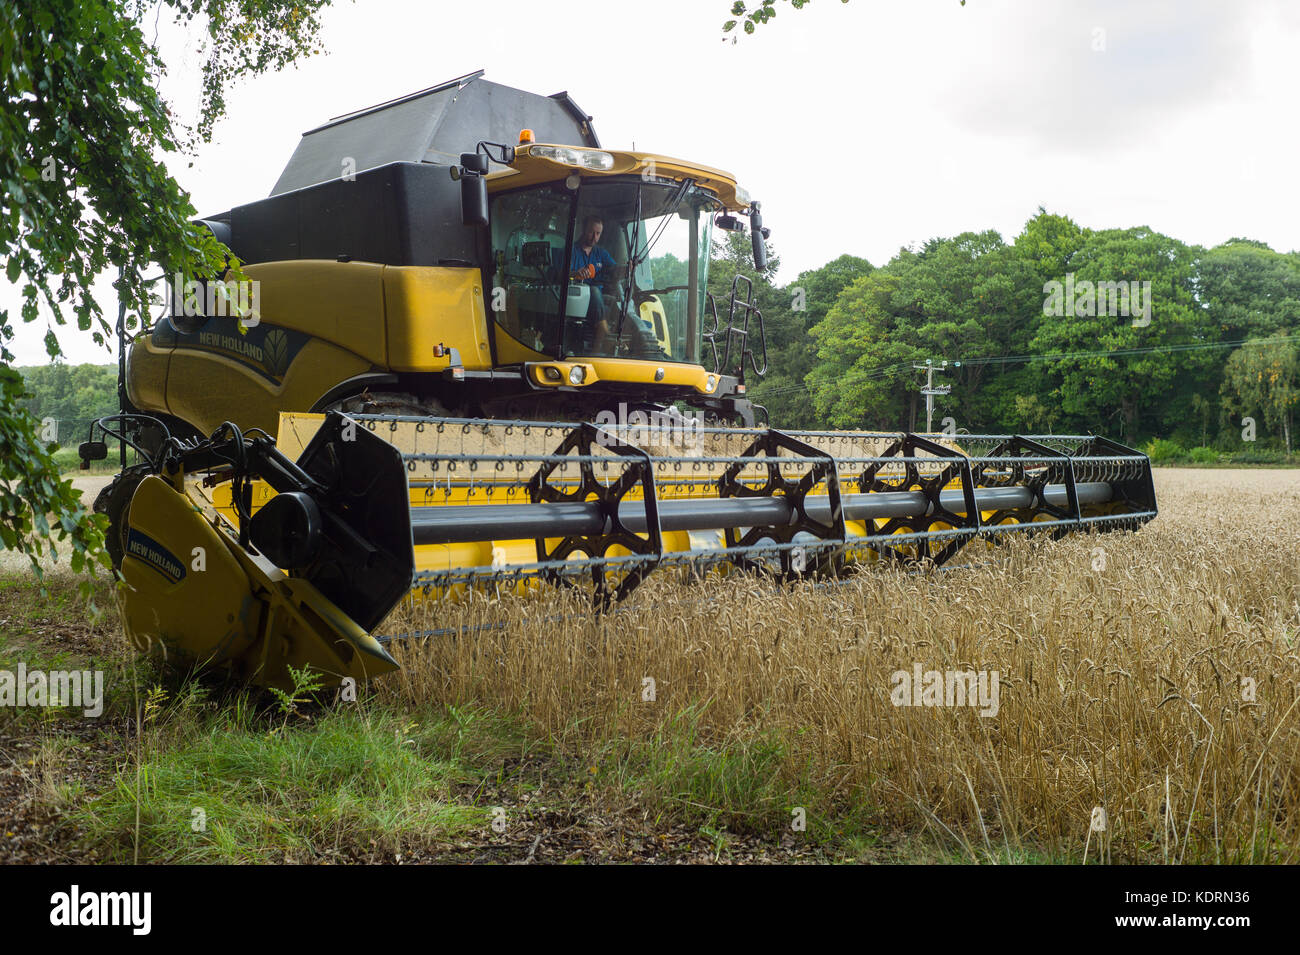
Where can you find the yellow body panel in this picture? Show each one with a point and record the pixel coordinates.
(511, 351)
(193, 594)
(339, 302)
(434, 306)
(206, 389)
(146, 374)
(343, 319)
(624, 370)
(167, 536)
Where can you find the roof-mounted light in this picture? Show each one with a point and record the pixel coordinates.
(584, 158)
(525, 137)
(742, 195)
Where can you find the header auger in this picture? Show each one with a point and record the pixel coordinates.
(607, 501)
(304, 559)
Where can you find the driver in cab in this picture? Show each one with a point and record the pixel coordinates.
(590, 263)
(595, 267)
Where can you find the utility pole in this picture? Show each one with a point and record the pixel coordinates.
(931, 389)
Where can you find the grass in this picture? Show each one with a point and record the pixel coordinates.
(1167, 453)
(376, 781)
(771, 733)
(69, 463)
(227, 788)
(59, 631)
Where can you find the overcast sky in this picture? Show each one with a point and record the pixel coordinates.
(863, 127)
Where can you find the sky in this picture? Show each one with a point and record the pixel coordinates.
(863, 127)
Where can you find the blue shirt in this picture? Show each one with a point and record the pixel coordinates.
(597, 257)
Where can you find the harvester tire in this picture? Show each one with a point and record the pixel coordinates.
(114, 500)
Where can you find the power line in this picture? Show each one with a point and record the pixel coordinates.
(930, 389)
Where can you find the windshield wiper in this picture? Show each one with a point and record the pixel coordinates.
(632, 261)
(636, 259)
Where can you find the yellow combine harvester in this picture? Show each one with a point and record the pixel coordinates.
(489, 357)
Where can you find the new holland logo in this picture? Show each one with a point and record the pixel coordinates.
(264, 349)
(155, 555)
(275, 352)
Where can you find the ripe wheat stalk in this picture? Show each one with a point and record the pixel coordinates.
(1162, 688)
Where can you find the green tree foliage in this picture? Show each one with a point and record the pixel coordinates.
(749, 19)
(1263, 377)
(83, 136)
(70, 392)
(1029, 363)
(1136, 392)
(1049, 243)
(792, 351)
(966, 296)
(1250, 290)
(28, 474)
(864, 346)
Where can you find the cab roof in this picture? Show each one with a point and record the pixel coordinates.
(530, 168)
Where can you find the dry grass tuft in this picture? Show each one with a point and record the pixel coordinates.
(1124, 688)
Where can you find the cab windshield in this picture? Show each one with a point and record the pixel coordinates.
(615, 269)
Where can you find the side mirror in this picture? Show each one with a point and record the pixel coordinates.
(757, 235)
(473, 188)
(474, 162)
(473, 200)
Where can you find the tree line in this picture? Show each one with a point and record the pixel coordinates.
(1066, 329)
(1198, 340)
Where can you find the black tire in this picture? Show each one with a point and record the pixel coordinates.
(114, 500)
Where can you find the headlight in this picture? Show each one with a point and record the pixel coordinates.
(586, 158)
(577, 374)
(711, 383)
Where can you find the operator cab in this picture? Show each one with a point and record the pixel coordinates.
(607, 268)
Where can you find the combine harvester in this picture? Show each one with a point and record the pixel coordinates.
(498, 365)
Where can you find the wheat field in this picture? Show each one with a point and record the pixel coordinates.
(1148, 683)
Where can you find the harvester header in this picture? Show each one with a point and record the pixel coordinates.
(314, 554)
